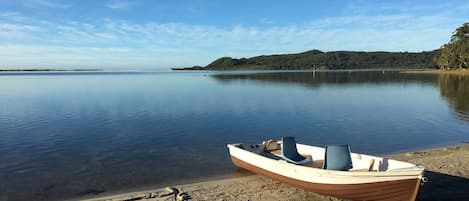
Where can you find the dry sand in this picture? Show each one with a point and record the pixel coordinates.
(444, 72)
(447, 170)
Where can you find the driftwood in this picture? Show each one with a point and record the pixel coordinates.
(169, 193)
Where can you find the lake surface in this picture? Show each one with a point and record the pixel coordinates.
(66, 135)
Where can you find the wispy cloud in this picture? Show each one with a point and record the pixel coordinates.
(118, 5)
(13, 16)
(16, 31)
(46, 3)
(265, 20)
(5, 27)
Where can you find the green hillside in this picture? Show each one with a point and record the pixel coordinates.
(316, 59)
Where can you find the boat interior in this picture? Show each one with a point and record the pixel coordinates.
(317, 155)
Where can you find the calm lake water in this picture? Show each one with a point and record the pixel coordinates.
(66, 135)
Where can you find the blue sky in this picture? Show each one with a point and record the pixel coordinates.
(163, 34)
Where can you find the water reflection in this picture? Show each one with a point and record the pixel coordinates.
(315, 79)
(455, 89)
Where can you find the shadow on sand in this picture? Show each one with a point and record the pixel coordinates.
(444, 187)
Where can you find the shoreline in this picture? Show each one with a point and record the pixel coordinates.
(447, 169)
(46, 70)
(439, 72)
(301, 70)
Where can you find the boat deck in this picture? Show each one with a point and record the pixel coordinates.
(315, 164)
(276, 154)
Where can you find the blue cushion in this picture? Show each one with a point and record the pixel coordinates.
(338, 157)
(290, 153)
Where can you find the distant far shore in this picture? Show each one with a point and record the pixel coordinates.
(44, 70)
(448, 72)
(316, 59)
(308, 70)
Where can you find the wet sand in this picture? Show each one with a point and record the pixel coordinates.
(447, 170)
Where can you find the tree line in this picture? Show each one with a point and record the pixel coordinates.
(316, 59)
(455, 54)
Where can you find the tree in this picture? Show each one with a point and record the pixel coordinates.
(455, 54)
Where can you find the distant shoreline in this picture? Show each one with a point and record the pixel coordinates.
(440, 72)
(316, 59)
(45, 70)
(306, 70)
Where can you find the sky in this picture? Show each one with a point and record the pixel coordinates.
(160, 34)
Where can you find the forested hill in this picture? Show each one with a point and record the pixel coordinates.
(316, 59)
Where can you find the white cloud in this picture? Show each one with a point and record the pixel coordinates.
(16, 31)
(17, 27)
(118, 5)
(13, 16)
(69, 57)
(46, 3)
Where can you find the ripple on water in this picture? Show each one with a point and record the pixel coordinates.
(463, 115)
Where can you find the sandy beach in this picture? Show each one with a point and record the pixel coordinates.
(447, 170)
(442, 72)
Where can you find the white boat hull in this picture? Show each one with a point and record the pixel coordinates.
(391, 180)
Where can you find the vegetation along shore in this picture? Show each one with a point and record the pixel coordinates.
(335, 60)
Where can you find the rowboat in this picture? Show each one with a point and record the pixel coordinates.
(364, 177)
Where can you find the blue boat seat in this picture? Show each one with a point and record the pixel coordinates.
(338, 157)
(290, 153)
